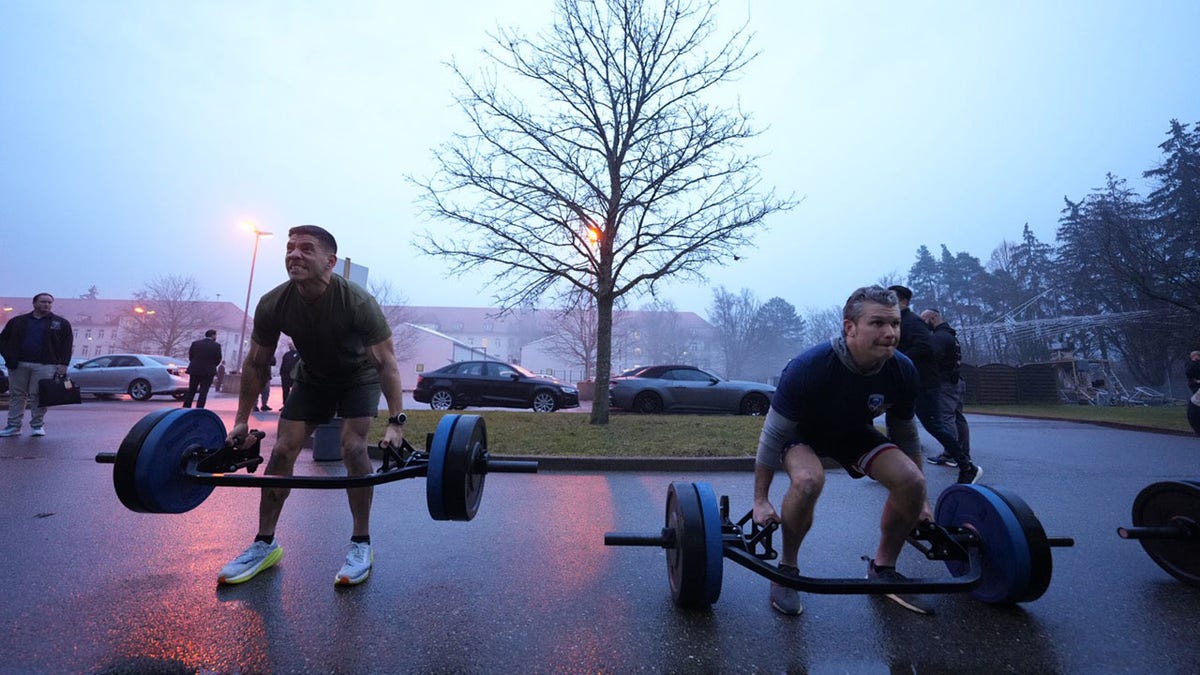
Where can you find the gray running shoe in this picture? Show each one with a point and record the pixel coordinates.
(358, 565)
(910, 601)
(942, 460)
(783, 599)
(38, 431)
(10, 431)
(253, 560)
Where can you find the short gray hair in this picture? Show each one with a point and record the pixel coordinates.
(861, 296)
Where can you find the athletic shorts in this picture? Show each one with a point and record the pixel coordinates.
(854, 450)
(308, 402)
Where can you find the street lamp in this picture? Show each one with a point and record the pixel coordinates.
(253, 227)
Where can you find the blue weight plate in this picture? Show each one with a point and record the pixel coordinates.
(1041, 561)
(126, 462)
(710, 510)
(688, 557)
(162, 486)
(435, 489)
(1007, 572)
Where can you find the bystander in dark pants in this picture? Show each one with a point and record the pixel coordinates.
(1193, 415)
(950, 397)
(929, 411)
(286, 385)
(197, 383)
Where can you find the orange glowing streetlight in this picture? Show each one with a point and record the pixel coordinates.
(251, 226)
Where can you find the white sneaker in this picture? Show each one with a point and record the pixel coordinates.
(358, 565)
(38, 431)
(10, 431)
(250, 562)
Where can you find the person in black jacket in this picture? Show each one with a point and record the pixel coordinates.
(916, 343)
(36, 346)
(287, 365)
(203, 358)
(948, 355)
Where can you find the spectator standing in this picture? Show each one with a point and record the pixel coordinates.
(220, 380)
(203, 358)
(36, 346)
(266, 391)
(287, 367)
(916, 342)
(948, 356)
(1193, 380)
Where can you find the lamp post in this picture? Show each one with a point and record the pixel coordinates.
(246, 312)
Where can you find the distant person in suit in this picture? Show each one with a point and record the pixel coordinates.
(287, 365)
(203, 358)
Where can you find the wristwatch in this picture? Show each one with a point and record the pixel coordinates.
(398, 420)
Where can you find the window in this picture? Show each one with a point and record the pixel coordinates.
(84, 351)
(100, 334)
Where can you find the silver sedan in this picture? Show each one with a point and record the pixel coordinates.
(675, 388)
(139, 375)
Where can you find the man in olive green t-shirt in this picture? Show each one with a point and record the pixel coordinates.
(347, 361)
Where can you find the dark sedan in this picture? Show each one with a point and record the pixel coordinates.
(656, 389)
(492, 383)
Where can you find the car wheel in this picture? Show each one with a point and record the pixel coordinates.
(441, 399)
(648, 402)
(755, 404)
(139, 390)
(543, 401)
(178, 396)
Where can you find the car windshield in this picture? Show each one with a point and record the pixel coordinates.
(524, 372)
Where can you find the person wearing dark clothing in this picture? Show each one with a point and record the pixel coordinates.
(219, 381)
(287, 366)
(35, 346)
(203, 358)
(916, 342)
(266, 391)
(1193, 378)
(948, 356)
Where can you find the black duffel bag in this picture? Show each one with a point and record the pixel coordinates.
(57, 390)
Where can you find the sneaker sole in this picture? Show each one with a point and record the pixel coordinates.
(941, 462)
(343, 580)
(268, 562)
(916, 609)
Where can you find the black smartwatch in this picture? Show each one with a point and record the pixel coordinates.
(398, 420)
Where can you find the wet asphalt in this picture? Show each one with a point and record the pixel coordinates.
(528, 586)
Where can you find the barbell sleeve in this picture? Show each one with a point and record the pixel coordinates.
(664, 539)
(106, 458)
(511, 466)
(1164, 532)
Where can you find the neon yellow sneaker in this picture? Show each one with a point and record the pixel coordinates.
(253, 560)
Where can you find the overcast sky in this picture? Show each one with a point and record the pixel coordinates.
(134, 136)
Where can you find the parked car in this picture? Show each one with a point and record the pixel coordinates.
(675, 388)
(139, 375)
(492, 383)
(3, 379)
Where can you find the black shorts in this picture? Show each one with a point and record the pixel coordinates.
(308, 402)
(854, 450)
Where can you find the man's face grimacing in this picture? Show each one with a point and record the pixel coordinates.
(872, 338)
(306, 258)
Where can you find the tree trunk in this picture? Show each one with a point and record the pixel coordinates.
(604, 324)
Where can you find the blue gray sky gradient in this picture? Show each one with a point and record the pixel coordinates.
(135, 135)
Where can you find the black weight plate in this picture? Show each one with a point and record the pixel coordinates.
(126, 461)
(1041, 561)
(1155, 506)
(455, 477)
(162, 486)
(1006, 567)
(687, 559)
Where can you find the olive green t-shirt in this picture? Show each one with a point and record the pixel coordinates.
(331, 333)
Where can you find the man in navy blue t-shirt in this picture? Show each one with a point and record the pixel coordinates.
(824, 406)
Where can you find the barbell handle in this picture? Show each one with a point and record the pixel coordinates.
(1060, 541)
(106, 458)
(664, 539)
(1165, 532)
(511, 466)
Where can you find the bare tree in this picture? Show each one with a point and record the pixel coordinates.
(394, 304)
(610, 170)
(168, 314)
(733, 318)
